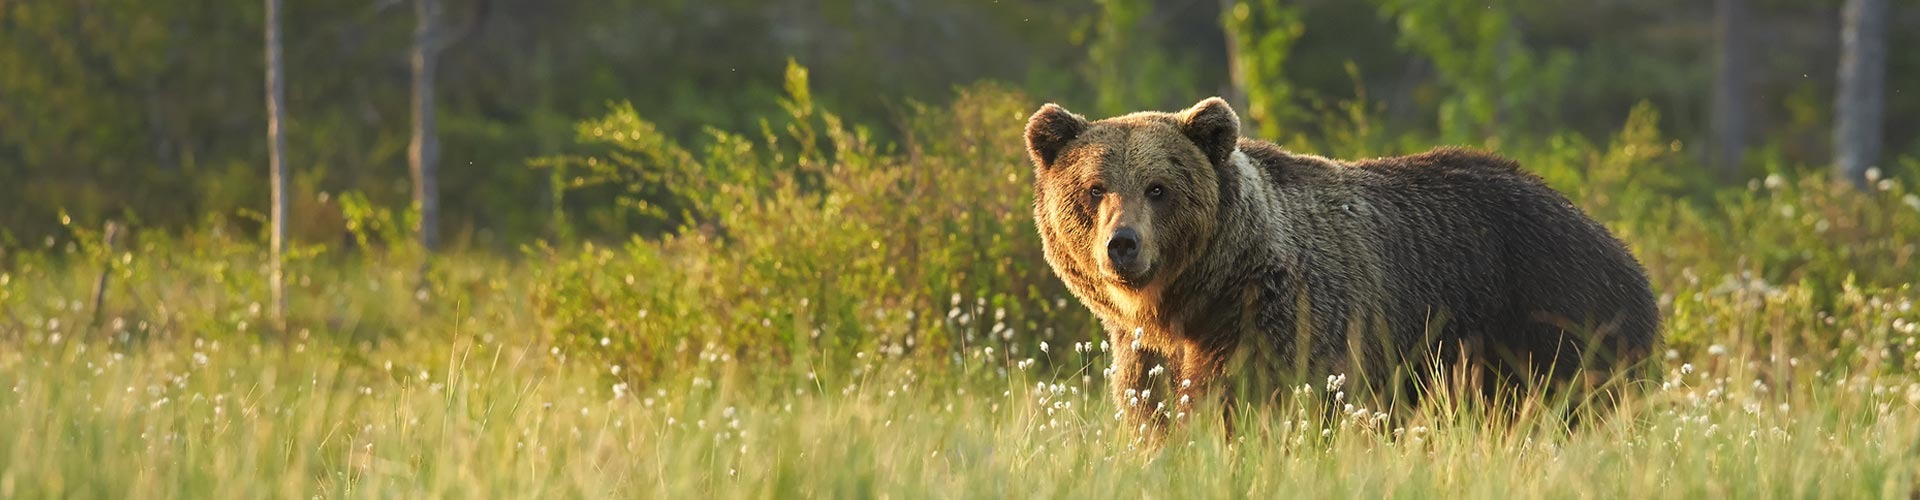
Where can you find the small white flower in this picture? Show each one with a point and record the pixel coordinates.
(1716, 350)
(1335, 382)
(1043, 346)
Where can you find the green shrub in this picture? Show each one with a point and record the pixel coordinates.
(805, 247)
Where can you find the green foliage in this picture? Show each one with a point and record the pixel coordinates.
(1126, 67)
(372, 225)
(1264, 41)
(152, 109)
(814, 242)
(1491, 77)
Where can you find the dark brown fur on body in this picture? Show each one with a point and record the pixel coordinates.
(1258, 268)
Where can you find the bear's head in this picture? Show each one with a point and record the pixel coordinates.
(1126, 204)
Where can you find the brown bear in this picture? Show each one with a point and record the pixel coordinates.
(1216, 261)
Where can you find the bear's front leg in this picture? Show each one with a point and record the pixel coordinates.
(1131, 381)
(1197, 385)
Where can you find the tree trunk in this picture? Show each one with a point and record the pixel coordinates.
(1236, 75)
(423, 152)
(1730, 88)
(276, 165)
(1860, 100)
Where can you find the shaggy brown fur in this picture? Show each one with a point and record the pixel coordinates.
(1256, 267)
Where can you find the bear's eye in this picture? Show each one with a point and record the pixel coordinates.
(1156, 192)
(1096, 192)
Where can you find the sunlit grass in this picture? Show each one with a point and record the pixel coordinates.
(471, 418)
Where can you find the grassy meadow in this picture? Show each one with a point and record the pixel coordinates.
(835, 315)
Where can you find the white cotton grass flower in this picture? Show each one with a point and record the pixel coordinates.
(1335, 382)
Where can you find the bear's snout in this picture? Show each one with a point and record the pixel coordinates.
(1124, 247)
(1123, 253)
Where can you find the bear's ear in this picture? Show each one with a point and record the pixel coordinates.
(1214, 127)
(1049, 130)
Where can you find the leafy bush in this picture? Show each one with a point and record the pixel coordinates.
(813, 241)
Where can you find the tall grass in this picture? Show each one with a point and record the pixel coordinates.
(471, 418)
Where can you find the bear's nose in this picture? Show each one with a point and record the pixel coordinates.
(1123, 247)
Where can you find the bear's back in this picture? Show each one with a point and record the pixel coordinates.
(1471, 237)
